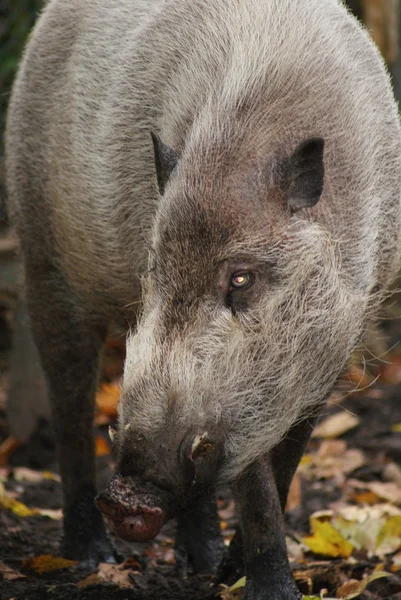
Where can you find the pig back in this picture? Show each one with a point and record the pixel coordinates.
(253, 77)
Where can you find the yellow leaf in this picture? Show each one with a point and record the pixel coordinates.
(326, 540)
(45, 563)
(238, 585)
(18, 508)
(306, 460)
(396, 428)
(389, 537)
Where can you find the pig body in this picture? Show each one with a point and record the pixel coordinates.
(256, 282)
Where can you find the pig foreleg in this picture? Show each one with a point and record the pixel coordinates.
(261, 495)
(69, 343)
(262, 530)
(199, 541)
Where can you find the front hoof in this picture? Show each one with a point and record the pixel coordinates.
(91, 552)
(202, 556)
(286, 591)
(232, 566)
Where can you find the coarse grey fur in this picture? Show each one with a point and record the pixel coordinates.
(233, 87)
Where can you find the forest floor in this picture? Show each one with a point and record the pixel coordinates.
(343, 516)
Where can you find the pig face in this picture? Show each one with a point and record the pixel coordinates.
(246, 325)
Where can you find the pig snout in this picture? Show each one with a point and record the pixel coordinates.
(134, 510)
(139, 524)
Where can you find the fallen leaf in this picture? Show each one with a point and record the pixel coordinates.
(396, 560)
(353, 588)
(365, 498)
(332, 460)
(366, 528)
(391, 373)
(18, 508)
(294, 498)
(389, 537)
(335, 425)
(295, 550)
(389, 491)
(7, 448)
(45, 563)
(107, 399)
(238, 585)
(21, 510)
(117, 574)
(396, 428)
(25, 474)
(358, 375)
(326, 540)
(102, 447)
(8, 574)
(55, 514)
(392, 472)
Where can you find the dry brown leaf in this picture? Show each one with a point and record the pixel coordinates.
(332, 460)
(368, 497)
(8, 574)
(108, 573)
(107, 399)
(295, 550)
(389, 491)
(358, 376)
(354, 588)
(102, 447)
(396, 560)
(25, 474)
(45, 563)
(294, 498)
(7, 448)
(332, 448)
(392, 472)
(335, 425)
(391, 373)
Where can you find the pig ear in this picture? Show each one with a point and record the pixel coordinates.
(304, 176)
(166, 160)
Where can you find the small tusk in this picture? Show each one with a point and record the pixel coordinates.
(198, 441)
(112, 433)
(127, 427)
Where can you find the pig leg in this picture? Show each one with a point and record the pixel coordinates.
(199, 541)
(280, 468)
(262, 530)
(69, 343)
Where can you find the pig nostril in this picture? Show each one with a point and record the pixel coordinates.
(140, 527)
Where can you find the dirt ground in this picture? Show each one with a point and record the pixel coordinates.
(356, 466)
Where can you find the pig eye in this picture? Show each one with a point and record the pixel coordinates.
(242, 281)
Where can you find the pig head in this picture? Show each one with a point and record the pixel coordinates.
(246, 324)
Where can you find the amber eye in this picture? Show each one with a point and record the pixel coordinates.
(242, 280)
